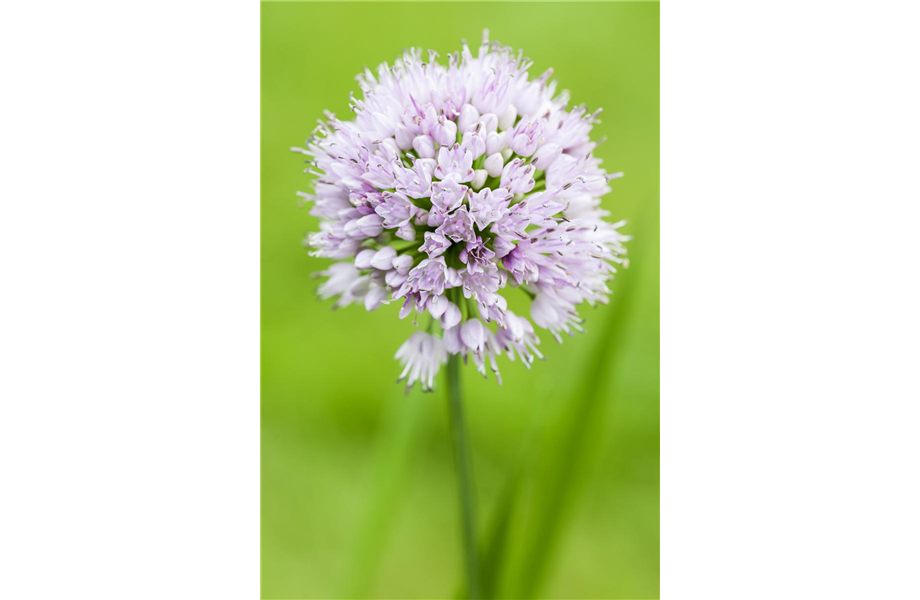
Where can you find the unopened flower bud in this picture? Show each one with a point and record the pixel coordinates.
(451, 316)
(479, 179)
(402, 263)
(403, 137)
(473, 335)
(507, 118)
(383, 259)
(363, 259)
(370, 225)
(375, 297)
(424, 146)
(494, 142)
(494, 164)
(445, 133)
(469, 116)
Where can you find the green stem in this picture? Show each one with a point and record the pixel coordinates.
(464, 475)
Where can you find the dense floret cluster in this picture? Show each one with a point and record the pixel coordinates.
(452, 184)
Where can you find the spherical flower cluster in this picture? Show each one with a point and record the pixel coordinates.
(452, 184)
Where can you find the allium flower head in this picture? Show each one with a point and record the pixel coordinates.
(452, 184)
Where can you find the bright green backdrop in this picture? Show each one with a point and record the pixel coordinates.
(358, 495)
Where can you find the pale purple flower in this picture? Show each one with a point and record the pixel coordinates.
(518, 337)
(474, 142)
(556, 314)
(455, 163)
(458, 226)
(344, 281)
(487, 206)
(452, 186)
(543, 158)
(476, 256)
(447, 313)
(473, 340)
(527, 136)
(431, 276)
(517, 176)
(416, 182)
(435, 244)
(421, 355)
(446, 196)
(396, 210)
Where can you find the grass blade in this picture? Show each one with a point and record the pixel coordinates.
(559, 471)
(496, 542)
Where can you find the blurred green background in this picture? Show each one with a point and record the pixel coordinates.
(358, 490)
